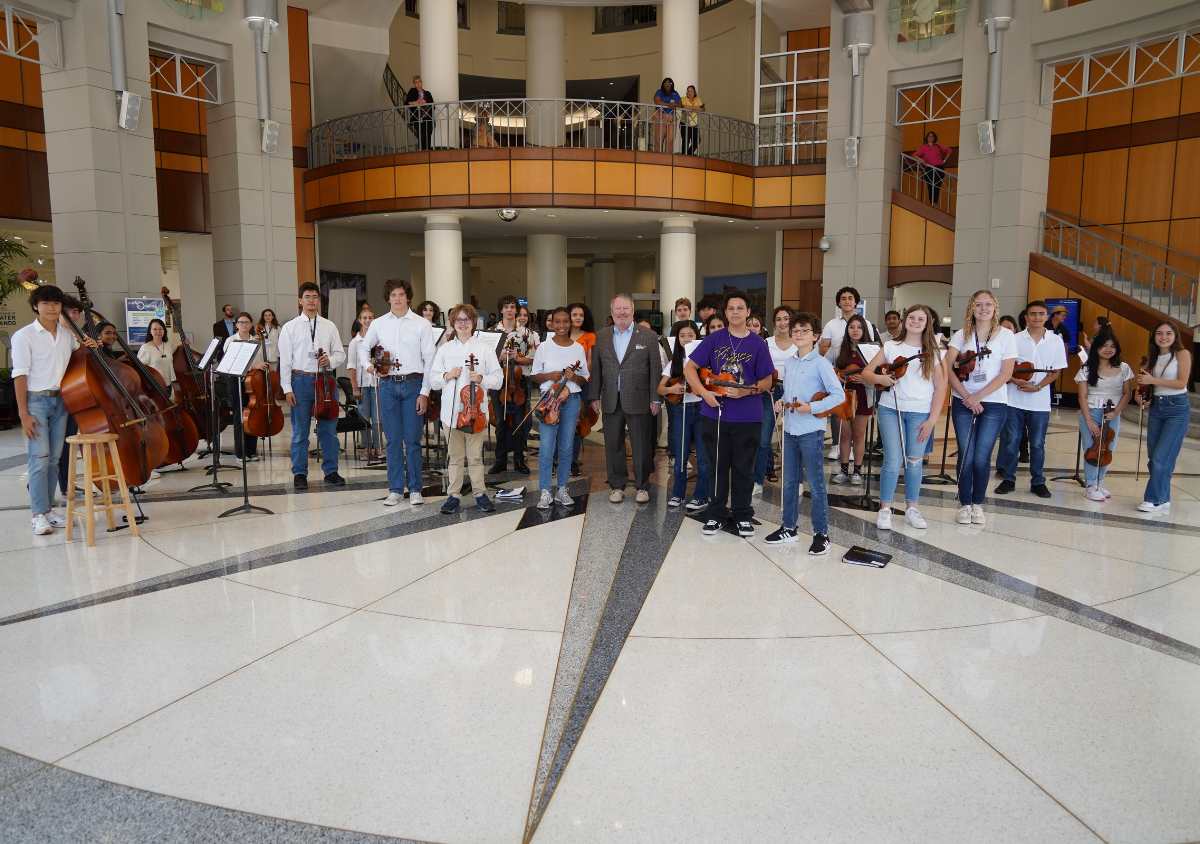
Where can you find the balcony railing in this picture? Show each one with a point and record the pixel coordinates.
(579, 124)
(1130, 271)
(930, 185)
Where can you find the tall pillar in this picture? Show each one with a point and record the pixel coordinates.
(545, 36)
(439, 64)
(103, 197)
(443, 260)
(546, 270)
(677, 264)
(681, 43)
(602, 285)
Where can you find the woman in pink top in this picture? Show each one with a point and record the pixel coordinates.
(935, 156)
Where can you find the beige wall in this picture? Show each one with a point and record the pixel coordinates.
(735, 254)
(377, 254)
(932, 293)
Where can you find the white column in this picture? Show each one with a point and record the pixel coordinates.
(546, 270)
(443, 260)
(602, 285)
(439, 65)
(681, 43)
(545, 36)
(677, 264)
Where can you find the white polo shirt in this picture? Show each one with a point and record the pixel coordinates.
(42, 357)
(1047, 353)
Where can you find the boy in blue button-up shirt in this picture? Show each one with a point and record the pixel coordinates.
(804, 434)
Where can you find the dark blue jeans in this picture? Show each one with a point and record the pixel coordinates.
(683, 421)
(762, 461)
(302, 389)
(1164, 437)
(402, 425)
(1016, 422)
(975, 448)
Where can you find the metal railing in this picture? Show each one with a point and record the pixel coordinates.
(793, 106)
(1130, 271)
(393, 86)
(930, 185)
(579, 124)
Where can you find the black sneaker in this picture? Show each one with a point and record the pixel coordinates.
(498, 468)
(300, 481)
(820, 545)
(334, 479)
(745, 528)
(696, 505)
(484, 503)
(450, 506)
(1005, 487)
(576, 470)
(711, 526)
(781, 536)
(521, 468)
(1040, 491)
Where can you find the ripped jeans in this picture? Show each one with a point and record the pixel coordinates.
(913, 453)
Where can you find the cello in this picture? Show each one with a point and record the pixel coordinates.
(262, 416)
(182, 433)
(104, 396)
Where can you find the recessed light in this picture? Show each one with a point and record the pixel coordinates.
(18, 238)
(729, 221)
(551, 215)
(612, 83)
(640, 236)
(44, 246)
(387, 215)
(41, 261)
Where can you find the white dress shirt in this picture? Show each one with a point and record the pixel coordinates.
(454, 353)
(1047, 353)
(410, 341)
(366, 378)
(299, 341)
(42, 357)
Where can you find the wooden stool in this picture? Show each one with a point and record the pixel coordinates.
(92, 448)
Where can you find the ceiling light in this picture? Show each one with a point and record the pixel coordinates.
(44, 246)
(18, 238)
(604, 211)
(612, 83)
(729, 221)
(552, 215)
(640, 236)
(41, 261)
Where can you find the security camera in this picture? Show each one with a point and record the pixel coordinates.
(508, 214)
(824, 244)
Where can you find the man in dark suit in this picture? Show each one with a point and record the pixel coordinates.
(626, 369)
(224, 327)
(420, 115)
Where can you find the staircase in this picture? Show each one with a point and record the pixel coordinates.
(395, 90)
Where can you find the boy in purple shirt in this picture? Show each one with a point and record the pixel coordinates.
(730, 425)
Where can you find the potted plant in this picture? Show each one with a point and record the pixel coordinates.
(12, 252)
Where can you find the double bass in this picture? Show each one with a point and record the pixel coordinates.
(182, 433)
(190, 378)
(262, 416)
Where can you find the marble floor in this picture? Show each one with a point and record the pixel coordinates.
(339, 671)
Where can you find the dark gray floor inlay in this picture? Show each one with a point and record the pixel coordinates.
(55, 804)
(650, 536)
(377, 529)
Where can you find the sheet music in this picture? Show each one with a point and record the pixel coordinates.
(868, 350)
(237, 359)
(213, 345)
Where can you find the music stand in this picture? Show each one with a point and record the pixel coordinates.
(234, 366)
(863, 501)
(941, 478)
(1074, 477)
(214, 431)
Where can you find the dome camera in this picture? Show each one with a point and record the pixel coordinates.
(508, 214)
(824, 244)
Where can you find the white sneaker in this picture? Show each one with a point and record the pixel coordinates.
(41, 525)
(546, 501)
(1147, 507)
(154, 475)
(416, 499)
(393, 499)
(840, 478)
(56, 519)
(856, 479)
(834, 453)
(562, 497)
(913, 516)
(1094, 494)
(977, 517)
(758, 489)
(964, 515)
(1107, 495)
(883, 520)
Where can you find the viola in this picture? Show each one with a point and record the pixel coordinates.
(550, 404)
(325, 403)
(897, 369)
(1100, 453)
(676, 398)
(965, 363)
(183, 435)
(262, 416)
(1143, 393)
(721, 384)
(844, 411)
(471, 418)
(190, 378)
(510, 398)
(1025, 370)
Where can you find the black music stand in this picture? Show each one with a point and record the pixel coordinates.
(864, 501)
(1078, 452)
(941, 478)
(234, 367)
(214, 431)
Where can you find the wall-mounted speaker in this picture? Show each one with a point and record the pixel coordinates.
(270, 137)
(851, 152)
(987, 137)
(129, 111)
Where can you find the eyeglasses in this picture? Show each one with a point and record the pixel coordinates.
(802, 330)
(464, 319)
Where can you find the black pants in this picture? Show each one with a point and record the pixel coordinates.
(690, 137)
(639, 426)
(933, 183)
(425, 133)
(510, 436)
(733, 467)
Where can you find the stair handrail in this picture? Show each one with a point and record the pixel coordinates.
(1092, 224)
(393, 86)
(948, 187)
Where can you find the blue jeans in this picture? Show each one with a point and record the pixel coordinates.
(762, 461)
(44, 450)
(1037, 421)
(366, 409)
(302, 389)
(804, 460)
(975, 457)
(684, 419)
(1095, 474)
(1164, 437)
(558, 438)
(912, 453)
(402, 424)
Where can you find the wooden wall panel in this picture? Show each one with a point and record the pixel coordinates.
(1069, 117)
(743, 190)
(1153, 102)
(328, 187)
(448, 178)
(613, 178)
(772, 191)
(1185, 200)
(350, 186)
(808, 190)
(939, 245)
(687, 183)
(1065, 189)
(301, 115)
(1189, 95)
(1151, 175)
(413, 180)
(379, 183)
(489, 177)
(718, 187)
(297, 20)
(1110, 109)
(10, 80)
(306, 259)
(1185, 237)
(575, 177)
(907, 240)
(533, 176)
(1104, 186)
(303, 228)
(653, 180)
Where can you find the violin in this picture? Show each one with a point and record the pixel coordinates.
(843, 411)
(183, 435)
(511, 397)
(471, 419)
(1024, 371)
(325, 403)
(381, 361)
(676, 398)
(262, 416)
(1143, 393)
(897, 369)
(1100, 453)
(721, 384)
(550, 404)
(850, 369)
(190, 378)
(964, 364)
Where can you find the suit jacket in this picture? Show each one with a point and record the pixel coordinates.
(219, 329)
(639, 372)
